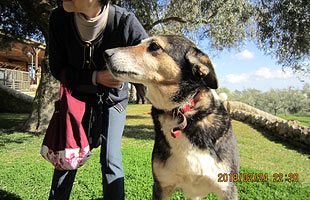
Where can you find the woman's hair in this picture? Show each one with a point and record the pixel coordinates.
(103, 2)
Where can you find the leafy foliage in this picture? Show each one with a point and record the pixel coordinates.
(225, 23)
(16, 23)
(283, 28)
(276, 101)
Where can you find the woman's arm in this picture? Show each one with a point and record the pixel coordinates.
(133, 31)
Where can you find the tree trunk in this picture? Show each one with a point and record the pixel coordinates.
(48, 91)
(43, 104)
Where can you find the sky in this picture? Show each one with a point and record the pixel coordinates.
(249, 67)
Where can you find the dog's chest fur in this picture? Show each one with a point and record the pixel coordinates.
(189, 168)
(183, 162)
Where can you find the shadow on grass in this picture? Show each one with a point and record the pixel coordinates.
(142, 132)
(291, 145)
(12, 121)
(300, 148)
(8, 196)
(8, 139)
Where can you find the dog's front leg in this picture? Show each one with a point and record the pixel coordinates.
(230, 194)
(161, 193)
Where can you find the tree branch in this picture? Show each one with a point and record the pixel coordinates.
(165, 20)
(38, 11)
(157, 15)
(213, 14)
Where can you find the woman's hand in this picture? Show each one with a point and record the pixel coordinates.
(104, 77)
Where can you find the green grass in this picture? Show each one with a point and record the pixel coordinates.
(304, 120)
(25, 175)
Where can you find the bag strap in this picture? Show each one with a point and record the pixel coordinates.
(63, 83)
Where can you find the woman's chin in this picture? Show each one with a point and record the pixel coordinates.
(68, 6)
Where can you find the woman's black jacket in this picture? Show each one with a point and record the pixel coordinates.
(80, 59)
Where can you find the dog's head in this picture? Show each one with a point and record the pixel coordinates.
(171, 67)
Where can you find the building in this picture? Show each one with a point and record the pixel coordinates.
(20, 64)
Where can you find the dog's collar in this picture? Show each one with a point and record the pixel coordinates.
(179, 114)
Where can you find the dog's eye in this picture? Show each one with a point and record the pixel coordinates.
(154, 47)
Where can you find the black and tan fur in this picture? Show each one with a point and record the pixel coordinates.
(174, 71)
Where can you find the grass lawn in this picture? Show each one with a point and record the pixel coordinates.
(24, 174)
(304, 120)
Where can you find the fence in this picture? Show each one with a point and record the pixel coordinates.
(15, 79)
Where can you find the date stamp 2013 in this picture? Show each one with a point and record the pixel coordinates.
(257, 177)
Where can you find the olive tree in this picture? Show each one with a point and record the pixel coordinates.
(224, 23)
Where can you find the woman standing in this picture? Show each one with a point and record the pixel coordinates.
(79, 32)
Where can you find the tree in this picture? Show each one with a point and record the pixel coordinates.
(283, 29)
(29, 18)
(295, 100)
(225, 23)
(306, 100)
(249, 96)
(10, 13)
(276, 101)
(272, 101)
(280, 27)
(253, 97)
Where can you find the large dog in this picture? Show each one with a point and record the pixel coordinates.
(194, 142)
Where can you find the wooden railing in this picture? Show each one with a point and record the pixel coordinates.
(15, 79)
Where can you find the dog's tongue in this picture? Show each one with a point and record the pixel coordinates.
(176, 134)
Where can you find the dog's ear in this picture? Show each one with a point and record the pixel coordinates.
(202, 67)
